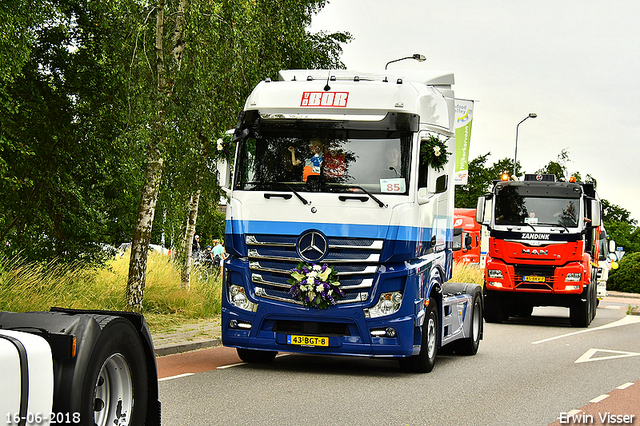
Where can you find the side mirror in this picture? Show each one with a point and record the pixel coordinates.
(224, 174)
(442, 184)
(480, 209)
(595, 213)
(612, 246)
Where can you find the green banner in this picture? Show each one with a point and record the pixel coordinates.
(464, 118)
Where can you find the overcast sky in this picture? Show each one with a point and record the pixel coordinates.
(574, 63)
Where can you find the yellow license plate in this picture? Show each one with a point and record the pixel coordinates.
(308, 340)
(533, 279)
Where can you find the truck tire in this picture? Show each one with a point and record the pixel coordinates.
(257, 356)
(114, 390)
(469, 345)
(426, 359)
(524, 311)
(493, 310)
(594, 298)
(582, 310)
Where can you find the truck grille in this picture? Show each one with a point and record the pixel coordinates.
(542, 271)
(272, 257)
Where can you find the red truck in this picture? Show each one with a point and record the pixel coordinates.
(543, 247)
(466, 236)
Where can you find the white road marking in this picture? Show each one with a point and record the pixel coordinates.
(600, 398)
(222, 367)
(591, 352)
(629, 319)
(176, 377)
(626, 385)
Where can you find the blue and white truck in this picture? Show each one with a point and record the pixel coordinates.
(339, 220)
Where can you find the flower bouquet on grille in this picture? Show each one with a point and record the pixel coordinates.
(316, 286)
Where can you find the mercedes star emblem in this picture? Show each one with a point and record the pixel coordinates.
(312, 246)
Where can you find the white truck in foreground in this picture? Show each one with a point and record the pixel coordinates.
(77, 368)
(339, 224)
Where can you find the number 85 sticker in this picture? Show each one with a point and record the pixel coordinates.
(395, 185)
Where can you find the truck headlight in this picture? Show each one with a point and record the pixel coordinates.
(495, 274)
(239, 299)
(573, 277)
(388, 303)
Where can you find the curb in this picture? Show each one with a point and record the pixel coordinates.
(623, 295)
(178, 348)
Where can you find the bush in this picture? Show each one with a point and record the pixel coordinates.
(627, 277)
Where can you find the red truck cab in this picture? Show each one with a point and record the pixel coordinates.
(543, 247)
(466, 236)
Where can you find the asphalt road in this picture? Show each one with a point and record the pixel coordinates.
(534, 371)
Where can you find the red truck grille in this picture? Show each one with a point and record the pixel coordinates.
(534, 277)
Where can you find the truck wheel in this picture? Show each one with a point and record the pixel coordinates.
(426, 359)
(469, 345)
(581, 311)
(252, 355)
(115, 390)
(493, 310)
(524, 311)
(594, 300)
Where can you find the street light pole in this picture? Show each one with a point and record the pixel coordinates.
(515, 155)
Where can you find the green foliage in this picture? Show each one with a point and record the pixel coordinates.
(481, 180)
(558, 168)
(627, 277)
(620, 227)
(79, 104)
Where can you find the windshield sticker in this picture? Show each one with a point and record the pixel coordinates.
(324, 99)
(396, 185)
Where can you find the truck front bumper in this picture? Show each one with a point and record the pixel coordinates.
(275, 326)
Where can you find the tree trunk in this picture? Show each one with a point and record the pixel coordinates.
(142, 232)
(185, 277)
(147, 208)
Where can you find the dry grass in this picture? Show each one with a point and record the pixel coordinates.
(39, 286)
(465, 273)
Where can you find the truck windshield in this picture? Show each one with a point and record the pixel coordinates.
(513, 208)
(338, 161)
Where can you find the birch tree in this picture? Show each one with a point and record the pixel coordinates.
(155, 152)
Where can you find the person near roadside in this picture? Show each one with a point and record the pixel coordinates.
(195, 246)
(219, 253)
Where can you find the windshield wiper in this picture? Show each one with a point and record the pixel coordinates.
(518, 226)
(555, 224)
(297, 194)
(373, 197)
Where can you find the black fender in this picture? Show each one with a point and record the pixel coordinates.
(59, 327)
(450, 289)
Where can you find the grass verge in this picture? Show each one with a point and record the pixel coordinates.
(39, 286)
